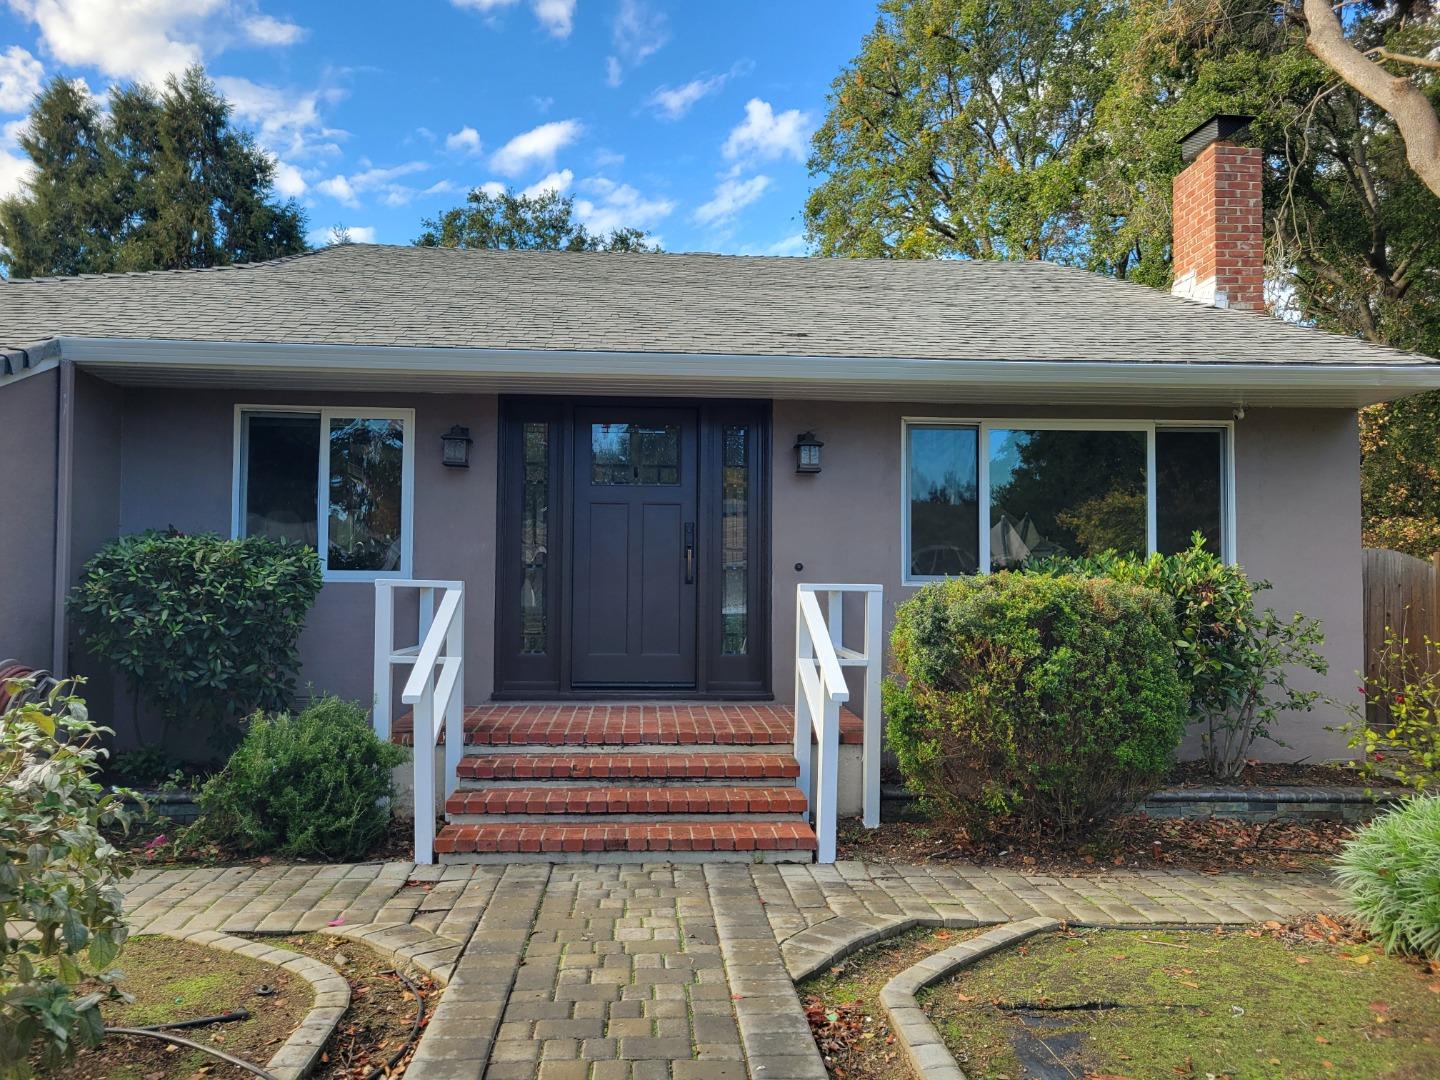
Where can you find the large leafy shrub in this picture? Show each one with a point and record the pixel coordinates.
(1400, 731)
(1391, 869)
(1236, 659)
(314, 785)
(58, 875)
(204, 628)
(1034, 705)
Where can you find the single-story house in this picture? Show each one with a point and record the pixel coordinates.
(662, 447)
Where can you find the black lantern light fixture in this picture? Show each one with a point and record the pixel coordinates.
(457, 447)
(807, 453)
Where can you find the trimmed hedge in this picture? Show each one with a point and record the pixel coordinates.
(1034, 706)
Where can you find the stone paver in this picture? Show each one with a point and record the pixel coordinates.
(636, 971)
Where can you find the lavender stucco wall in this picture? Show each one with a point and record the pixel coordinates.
(1297, 478)
(28, 418)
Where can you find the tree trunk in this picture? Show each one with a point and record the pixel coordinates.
(1398, 96)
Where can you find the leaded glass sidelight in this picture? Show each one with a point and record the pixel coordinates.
(735, 541)
(535, 539)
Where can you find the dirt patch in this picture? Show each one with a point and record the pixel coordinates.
(843, 1005)
(382, 1007)
(155, 841)
(1136, 841)
(1193, 774)
(1292, 1002)
(175, 980)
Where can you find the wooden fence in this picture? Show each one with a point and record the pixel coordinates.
(1401, 600)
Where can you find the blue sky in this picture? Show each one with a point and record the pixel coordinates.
(688, 119)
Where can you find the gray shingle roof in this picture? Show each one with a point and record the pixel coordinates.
(718, 304)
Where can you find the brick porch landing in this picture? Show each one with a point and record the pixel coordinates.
(684, 782)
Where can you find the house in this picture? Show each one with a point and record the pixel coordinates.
(661, 449)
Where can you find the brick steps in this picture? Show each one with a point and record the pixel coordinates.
(597, 782)
(627, 800)
(622, 766)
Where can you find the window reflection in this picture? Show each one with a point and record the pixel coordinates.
(1188, 487)
(644, 454)
(366, 459)
(534, 538)
(735, 542)
(944, 502)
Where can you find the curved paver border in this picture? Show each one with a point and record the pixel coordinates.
(818, 947)
(918, 1039)
(332, 998)
(406, 945)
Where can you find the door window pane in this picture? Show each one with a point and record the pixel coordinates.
(366, 458)
(1055, 492)
(535, 538)
(282, 455)
(944, 505)
(735, 542)
(1188, 487)
(645, 454)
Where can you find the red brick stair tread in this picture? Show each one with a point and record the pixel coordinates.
(622, 766)
(628, 800)
(619, 725)
(535, 838)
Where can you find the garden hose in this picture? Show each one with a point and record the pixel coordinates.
(200, 1021)
(381, 1070)
(230, 1059)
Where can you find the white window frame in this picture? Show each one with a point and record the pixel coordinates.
(983, 426)
(326, 413)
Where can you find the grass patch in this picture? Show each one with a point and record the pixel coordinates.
(843, 1005)
(1177, 1005)
(176, 980)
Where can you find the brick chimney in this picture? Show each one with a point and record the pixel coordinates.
(1219, 255)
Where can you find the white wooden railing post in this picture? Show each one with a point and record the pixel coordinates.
(804, 721)
(384, 646)
(455, 706)
(874, 657)
(424, 758)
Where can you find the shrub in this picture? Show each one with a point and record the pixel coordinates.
(1400, 734)
(1237, 661)
(59, 874)
(204, 628)
(1391, 869)
(313, 785)
(1034, 705)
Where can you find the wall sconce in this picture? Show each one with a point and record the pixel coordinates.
(807, 453)
(457, 447)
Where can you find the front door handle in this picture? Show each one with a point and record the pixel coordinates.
(689, 553)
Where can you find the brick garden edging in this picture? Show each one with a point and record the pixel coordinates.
(913, 1031)
(302, 1049)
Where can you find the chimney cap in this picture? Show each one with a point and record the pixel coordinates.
(1218, 127)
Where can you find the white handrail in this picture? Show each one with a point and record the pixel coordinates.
(820, 689)
(435, 689)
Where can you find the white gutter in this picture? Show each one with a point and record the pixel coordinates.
(1393, 376)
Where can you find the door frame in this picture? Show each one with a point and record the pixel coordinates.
(548, 676)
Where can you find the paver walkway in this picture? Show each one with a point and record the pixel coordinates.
(657, 971)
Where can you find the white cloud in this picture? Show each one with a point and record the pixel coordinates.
(731, 196)
(556, 16)
(20, 77)
(671, 103)
(15, 168)
(147, 39)
(538, 146)
(614, 73)
(558, 182)
(289, 182)
(362, 234)
(286, 122)
(766, 136)
(348, 189)
(442, 187)
(356, 234)
(268, 30)
(466, 140)
(542, 103)
(637, 33)
(604, 158)
(795, 244)
(616, 206)
(493, 188)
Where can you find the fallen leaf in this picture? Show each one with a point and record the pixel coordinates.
(1302, 959)
(1361, 958)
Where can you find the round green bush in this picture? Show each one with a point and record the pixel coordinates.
(1033, 706)
(1391, 869)
(315, 785)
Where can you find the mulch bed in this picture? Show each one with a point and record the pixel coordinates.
(1136, 841)
(157, 842)
(1193, 774)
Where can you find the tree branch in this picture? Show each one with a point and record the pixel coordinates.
(1382, 53)
(1401, 99)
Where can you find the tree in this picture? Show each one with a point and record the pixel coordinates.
(511, 221)
(163, 182)
(954, 132)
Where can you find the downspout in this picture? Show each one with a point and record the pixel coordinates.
(64, 460)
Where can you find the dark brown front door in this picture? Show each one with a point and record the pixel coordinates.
(636, 562)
